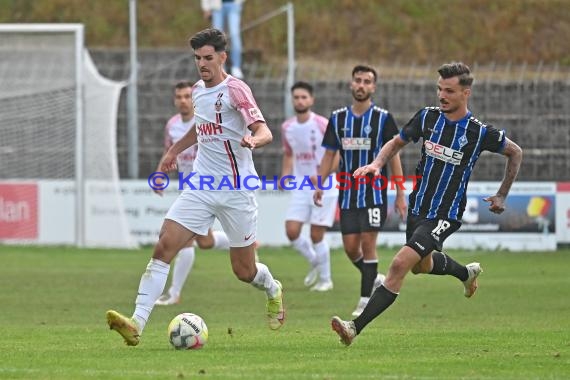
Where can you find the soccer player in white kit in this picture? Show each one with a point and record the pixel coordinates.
(176, 127)
(228, 126)
(302, 136)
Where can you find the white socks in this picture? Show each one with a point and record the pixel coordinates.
(150, 288)
(305, 248)
(323, 254)
(263, 280)
(221, 240)
(181, 269)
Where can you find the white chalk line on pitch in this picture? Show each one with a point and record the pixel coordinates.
(95, 372)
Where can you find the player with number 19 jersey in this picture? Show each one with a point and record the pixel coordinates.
(359, 139)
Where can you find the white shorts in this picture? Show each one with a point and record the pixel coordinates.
(302, 209)
(236, 211)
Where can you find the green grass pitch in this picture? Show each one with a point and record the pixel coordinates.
(53, 303)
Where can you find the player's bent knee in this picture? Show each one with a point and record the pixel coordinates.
(316, 239)
(244, 274)
(405, 260)
(165, 250)
(292, 234)
(353, 254)
(317, 234)
(205, 243)
(293, 229)
(161, 253)
(398, 265)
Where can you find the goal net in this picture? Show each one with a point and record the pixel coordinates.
(59, 179)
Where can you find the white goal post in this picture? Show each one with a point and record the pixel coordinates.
(58, 131)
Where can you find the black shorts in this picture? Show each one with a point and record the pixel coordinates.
(366, 219)
(424, 235)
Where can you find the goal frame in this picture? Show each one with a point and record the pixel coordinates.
(78, 32)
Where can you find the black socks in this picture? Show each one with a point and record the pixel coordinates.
(381, 299)
(443, 265)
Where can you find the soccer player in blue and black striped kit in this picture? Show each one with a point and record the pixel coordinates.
(452, 141)
(358, 132)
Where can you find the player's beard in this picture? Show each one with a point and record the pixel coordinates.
(185, 112)
(301, 111)
(448, 109)
(361, 96)
(206, 75)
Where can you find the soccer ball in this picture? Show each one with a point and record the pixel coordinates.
(187, 331)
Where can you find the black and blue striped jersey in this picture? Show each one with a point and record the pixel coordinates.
(449, 152)
(359, 139)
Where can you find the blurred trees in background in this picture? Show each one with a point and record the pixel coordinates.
(404, 31)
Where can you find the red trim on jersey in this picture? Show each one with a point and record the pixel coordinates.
(233, 163)
(563, 186)
(242, 100)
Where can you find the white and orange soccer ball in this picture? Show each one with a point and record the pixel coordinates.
(187, 331)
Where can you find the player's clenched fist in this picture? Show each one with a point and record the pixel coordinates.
(168, 162)
(248, 142)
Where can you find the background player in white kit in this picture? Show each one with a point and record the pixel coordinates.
(175, 129)
(302, 136)
(228, 126)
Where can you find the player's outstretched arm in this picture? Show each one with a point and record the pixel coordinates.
(514, 154)
(261, 135)
(384, 156)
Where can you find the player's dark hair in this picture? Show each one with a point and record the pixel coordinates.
(304, 86)
(183, 84)
(212, 37)
(364, 69)
(457, 69)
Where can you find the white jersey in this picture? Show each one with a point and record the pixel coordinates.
(174, 130)
(222, 114)
(303, 142)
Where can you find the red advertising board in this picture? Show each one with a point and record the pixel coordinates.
(18, 211)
